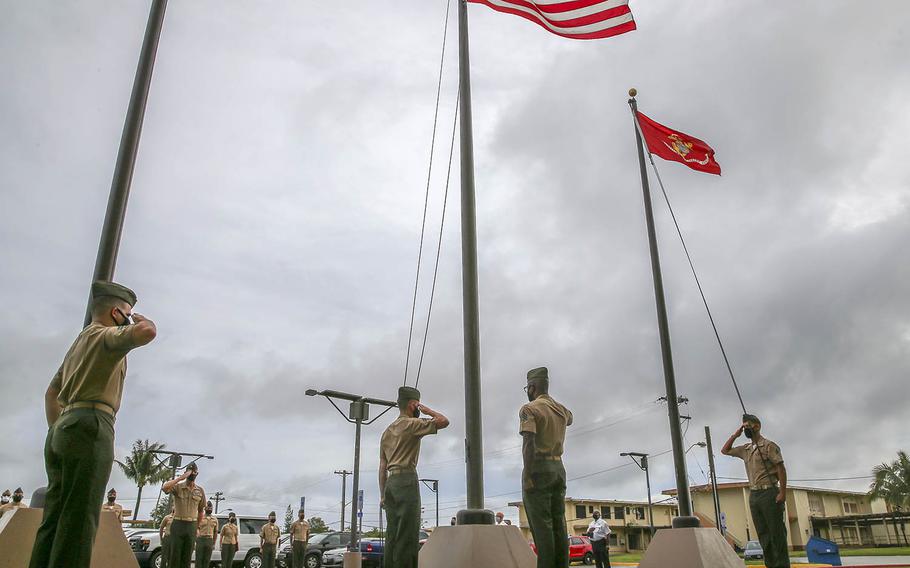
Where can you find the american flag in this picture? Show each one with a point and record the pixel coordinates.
(575, 19)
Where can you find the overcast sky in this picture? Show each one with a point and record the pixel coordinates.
(273, 226)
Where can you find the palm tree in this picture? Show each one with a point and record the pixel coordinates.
(144, 468)
(892, 484)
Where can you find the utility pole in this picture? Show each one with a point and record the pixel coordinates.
(713, 474)
(433, 485)
(218, 498)
(344, 483)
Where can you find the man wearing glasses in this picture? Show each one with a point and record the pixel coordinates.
(81, 403)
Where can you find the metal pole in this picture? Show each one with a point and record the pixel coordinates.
(473, 425)
(436, 489)
(644, 466)
(713, 474)
(106, 260)
(355, 546)
(344, 483)
(679, 456)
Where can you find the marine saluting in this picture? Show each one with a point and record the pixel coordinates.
(399, 451)
(81, 403)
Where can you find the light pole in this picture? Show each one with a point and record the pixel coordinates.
(435, 489)
(641, 460)
(688, 486)
(358, 414)
(713, 474)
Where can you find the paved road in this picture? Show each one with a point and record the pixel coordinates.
(873, 560)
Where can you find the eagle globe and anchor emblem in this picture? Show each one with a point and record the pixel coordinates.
(683, 148)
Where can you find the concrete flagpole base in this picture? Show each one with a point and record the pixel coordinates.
(472, 546)
(690, 548)
(352, 559)
(17, 537)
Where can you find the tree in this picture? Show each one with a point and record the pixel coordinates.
(374, 533)
(159, 512)
(143, 467)
(317, 525)
(288, 519)
(892, 485)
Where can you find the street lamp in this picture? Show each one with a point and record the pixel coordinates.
(358, 414)
(641, 460)
(435, 489)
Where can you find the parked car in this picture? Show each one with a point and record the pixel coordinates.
(753, 551)
(580, 550)
(315, 547)
(146, 544)
(372, 552)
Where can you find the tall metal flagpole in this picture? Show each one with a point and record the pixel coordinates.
(106, 260)
(473, 424)
(679, 454)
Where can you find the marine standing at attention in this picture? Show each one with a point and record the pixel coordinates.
(81, 403)
(16, 503)
(164, 531)
(399, 450)
(229, 544)
(112, 505)
(205, 537)
(300, 533)
(189, 504)
(542, 423)
(269, 537)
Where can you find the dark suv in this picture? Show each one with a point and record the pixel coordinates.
(317, 544)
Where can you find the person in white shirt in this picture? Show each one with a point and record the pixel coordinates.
(598, 532)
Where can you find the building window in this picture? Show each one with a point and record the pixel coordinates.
(580, 512)
(605, 512)
(640, 513)
(850, 508)
(619, 513)
(816, 506)
(613, 539)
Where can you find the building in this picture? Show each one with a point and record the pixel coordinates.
(849, 518)
(628, 520)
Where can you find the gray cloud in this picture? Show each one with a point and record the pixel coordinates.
(275, 210)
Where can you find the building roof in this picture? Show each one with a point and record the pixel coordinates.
(743, 484)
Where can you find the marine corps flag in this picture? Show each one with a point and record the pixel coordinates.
(672, 145)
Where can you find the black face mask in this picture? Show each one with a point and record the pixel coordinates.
(17, 498)
(111, 498)
(192, 477)
(272, 520)
(416, 413)
(749, 432)
(208, 511)
(127, 320)
(233, 520)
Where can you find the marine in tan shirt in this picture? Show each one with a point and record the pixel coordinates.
(268, 542)
(80, 404)
(165, 529)
(112, 505)
(767, 489)
(399, 450)
(208, 526)
(542, 424)
(189, 504)
(229, 544)
(300, 533)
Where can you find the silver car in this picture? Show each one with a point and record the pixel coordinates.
(753, 551)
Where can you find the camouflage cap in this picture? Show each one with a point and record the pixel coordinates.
(102, 288)
(18, 490)
(538, 373)
(7, 493)
(408, 393)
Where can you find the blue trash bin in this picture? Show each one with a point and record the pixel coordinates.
(821, 551)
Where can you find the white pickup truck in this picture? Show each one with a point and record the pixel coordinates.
(146, 544)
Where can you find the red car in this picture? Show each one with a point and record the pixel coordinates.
(580, 550)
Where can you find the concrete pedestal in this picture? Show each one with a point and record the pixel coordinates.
(477, 546)
(17, 537)
(690, 548)
(352, 560)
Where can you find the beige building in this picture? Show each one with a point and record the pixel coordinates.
(849, 518)
(628, 520)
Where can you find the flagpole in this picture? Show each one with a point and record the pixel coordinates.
(679, 455)
(473, 415)
(106, 261)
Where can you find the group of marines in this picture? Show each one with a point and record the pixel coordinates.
(83, 398)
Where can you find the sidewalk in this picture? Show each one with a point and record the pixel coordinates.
(855, 561)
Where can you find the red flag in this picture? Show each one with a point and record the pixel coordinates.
(575, 19)
(676, 146)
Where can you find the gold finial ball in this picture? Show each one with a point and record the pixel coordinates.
(632, 92)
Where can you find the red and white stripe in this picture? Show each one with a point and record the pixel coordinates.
(575, 19)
